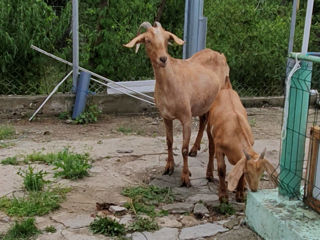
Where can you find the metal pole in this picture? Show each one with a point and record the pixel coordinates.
(75, 43)
(307, 26)
(50, 95)
(293, 25)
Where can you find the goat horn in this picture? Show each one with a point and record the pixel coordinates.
(157, 24)
(246, 154)
(145, 25)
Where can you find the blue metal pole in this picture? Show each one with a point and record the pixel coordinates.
(81, 95)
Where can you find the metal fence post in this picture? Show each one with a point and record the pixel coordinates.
(75, 44)
(195, 28)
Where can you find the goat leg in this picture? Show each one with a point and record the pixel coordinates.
(202, 124)
(240, 190)
(223, 195)
(210, 166)
(169, 169)
(185, 147)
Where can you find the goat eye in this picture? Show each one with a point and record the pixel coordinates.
(148, 41)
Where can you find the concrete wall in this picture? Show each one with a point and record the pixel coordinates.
(24, 106)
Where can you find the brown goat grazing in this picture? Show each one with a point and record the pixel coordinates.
(184, 88)
(230, 134)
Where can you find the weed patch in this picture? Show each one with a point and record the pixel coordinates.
(90, 115)
(72, 165)
(125, 130)
(107, 227)
(225, 209)
(143, 224)
(40, 157)
(6, 132)
(10, 161)
(22, 230)
(35, 203)
(33, 181)
(50, 229)
(145, 199)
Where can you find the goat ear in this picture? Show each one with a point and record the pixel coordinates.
(136, 40)
(263, 153)
(235, 174)
(271, 171)
(175, 38)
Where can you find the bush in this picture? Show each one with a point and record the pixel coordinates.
(33, 181)
(107, 227)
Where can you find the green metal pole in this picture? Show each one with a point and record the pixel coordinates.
(293, 145)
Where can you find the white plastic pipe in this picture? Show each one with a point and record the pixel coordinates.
(307, 26)
(50, 95)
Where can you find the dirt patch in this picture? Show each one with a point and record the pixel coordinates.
(125, 151)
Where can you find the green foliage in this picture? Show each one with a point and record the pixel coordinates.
(145, 199)
(64, 115)
(33, 181)
(10, 161)
(107, 227)
(50, 229)
(35, 203)
(143, 224)
(25, 229)
(72, 165)
(6, 131)
(254, 37)
(90, 115)
(225, 209)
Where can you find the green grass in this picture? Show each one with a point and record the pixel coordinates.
(143, 224)
(225, 209)
(145, 199)
(34, 203)
(48, 158)
(25, 229)
(10, 161)
(252, 122)
(125, 130)
(33, 181)
(107, 227)
(6, 132)
(72, 165)
(50, 229)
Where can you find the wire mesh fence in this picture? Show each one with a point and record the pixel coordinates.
(48, 23)
(299, 148)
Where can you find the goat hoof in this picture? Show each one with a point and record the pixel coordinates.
(210, 178)
(193, 153)
(168, 171)
(185, 184)
(223, 199)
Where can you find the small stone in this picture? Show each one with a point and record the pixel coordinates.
(162, 234)
(117, 209)
(126, 220)
(233, 222)
(200, 210)
(189, 221)
(211, 200)
(168, 221)
(46, 133)
(68, 121)
(73, 220)
(178, 207)
(201, 231)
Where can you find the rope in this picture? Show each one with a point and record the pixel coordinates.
(286, 103)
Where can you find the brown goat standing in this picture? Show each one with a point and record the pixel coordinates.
(184, 88)
(230, 134)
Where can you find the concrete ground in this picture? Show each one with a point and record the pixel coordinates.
(132, 158)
